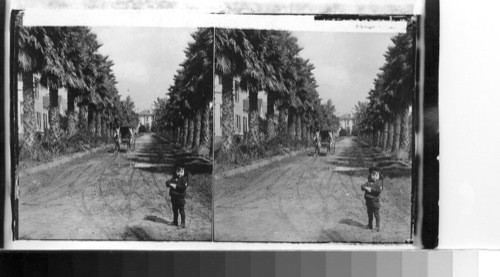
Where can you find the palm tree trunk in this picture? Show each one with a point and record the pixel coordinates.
(271, 117)
(91, 119)
(29, 119)
(205, 126)
(390, 136)
(82, 118)
(379, 138)
(253, 117)
(54, 111)
(404, 140)
(227, 120)
(304, 127)
(190, 137)
(283, 121)
(185, 131)
(397, 133)
(196, 129)
(104, 126)
(385, 135)
(178, 134)
(298, 127)
(291, 124)
(98, 123)
(71, 112)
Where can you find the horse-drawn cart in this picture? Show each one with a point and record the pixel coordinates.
(326, 139)
(125, 135)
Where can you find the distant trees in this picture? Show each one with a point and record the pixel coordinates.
(384, 119)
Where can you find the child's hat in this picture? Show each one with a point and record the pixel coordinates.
(179, 165)
(374, 169)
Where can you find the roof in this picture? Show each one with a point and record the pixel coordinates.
(346, 116)
(145, 112)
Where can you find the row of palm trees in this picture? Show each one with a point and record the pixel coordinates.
(264, 60)
(68, 57)
(268, 60)
(186, 114)
(384, 120)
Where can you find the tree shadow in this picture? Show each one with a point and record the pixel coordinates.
(136, 233)
(351, 222)
(330, 235)
(162, 156)
(321, 154)
(157, 219)
(122, 150)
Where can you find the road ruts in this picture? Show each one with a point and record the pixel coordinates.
(110, 196)
(312, 199)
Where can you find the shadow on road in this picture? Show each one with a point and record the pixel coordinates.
(312, 154)
(388, 172)
(136, 233)
(154, 218)
(329, 235)
(122, 150)
(351, 222)
(161, 156)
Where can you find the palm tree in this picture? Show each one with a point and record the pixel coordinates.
(34, 46)
(199, 81)
(58, 71)
(232, 52)
(399, 84)
(261, 72)
(83, 46)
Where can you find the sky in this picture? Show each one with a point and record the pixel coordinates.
(145, 59)
(345, 64)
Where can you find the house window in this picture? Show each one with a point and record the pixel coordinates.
(236, 91)
(39, 120)
(44, 121)
(219, 80)
(36, 87)
(21, 114)
(245, 125)
(238, 123)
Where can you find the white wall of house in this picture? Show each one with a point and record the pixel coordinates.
(347, 123)
(41, 110)
(240, 114)
(146, 120)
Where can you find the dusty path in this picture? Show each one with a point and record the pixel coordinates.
(115, 196)
(313, 199)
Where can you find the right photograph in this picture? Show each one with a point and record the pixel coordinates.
(314, 136)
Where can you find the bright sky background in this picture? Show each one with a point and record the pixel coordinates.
(346, 64)
(146, 59)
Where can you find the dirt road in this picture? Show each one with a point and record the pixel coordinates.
(313, 199)
(116, 196)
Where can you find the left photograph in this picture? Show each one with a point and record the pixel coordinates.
(114, 133)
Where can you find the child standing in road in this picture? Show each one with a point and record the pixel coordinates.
(372, 190)
(178, 185)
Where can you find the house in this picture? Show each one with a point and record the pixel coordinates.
(241, 105)
(146, 119)
(41, 96)
(347, 122)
